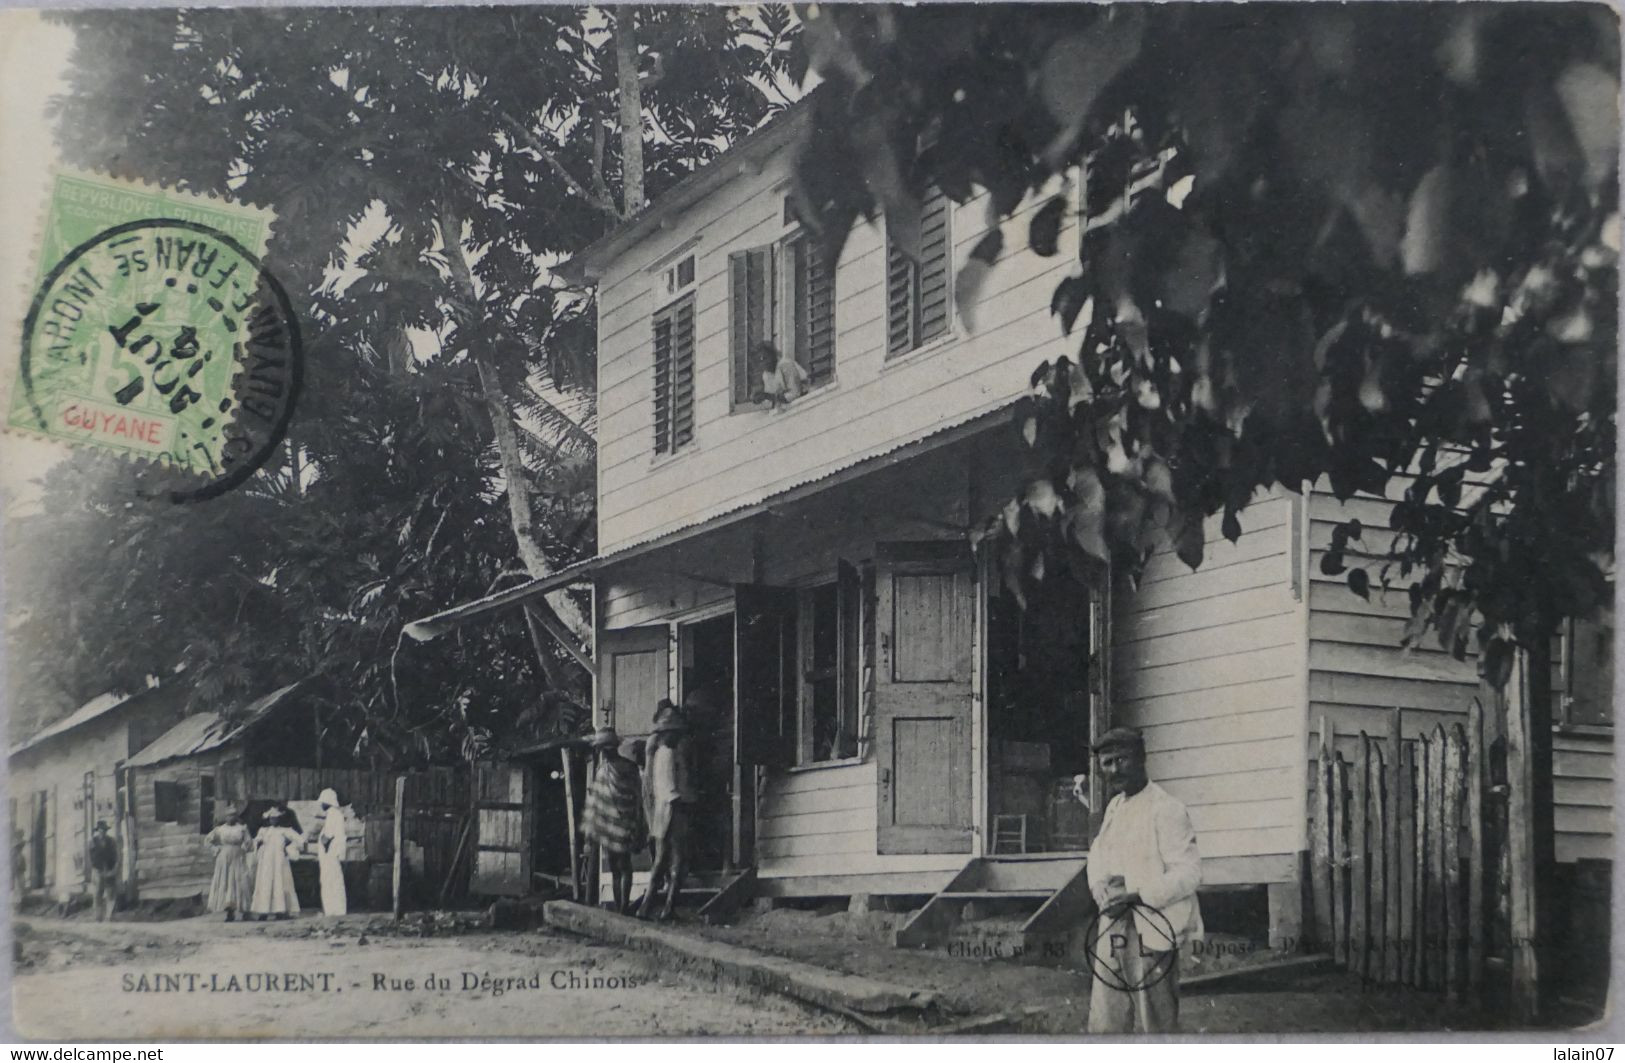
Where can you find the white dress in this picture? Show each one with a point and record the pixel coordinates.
(330, 860)
(273, 874)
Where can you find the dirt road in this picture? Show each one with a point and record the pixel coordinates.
(359, 977)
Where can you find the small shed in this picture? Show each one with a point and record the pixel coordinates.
(183, 783)
(180, 785)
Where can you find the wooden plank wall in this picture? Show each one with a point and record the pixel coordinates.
(1208, 665)
(1358, 673)
(815, 821)
(875, 402)
(174, 861)
(822, 822)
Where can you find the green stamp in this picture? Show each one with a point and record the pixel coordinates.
(155, 332)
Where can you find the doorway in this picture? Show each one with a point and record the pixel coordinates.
(705, 687)
(1038, 718)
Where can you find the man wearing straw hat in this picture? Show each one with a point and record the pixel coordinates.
(1143, 871)
(669, 791)
(613, 813)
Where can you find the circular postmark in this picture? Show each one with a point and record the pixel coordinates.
(166, 340)
(1117, 954)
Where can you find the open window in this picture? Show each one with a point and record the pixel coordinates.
(782, 300)
(799, 667)
(1587, 698)
(168, 801)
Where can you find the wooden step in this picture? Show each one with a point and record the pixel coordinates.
(1057, 885)
(1023, 873)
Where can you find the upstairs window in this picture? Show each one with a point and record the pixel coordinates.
(918, 304)
(674, 376)
(782, 298)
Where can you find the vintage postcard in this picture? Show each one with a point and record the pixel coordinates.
(809, 521)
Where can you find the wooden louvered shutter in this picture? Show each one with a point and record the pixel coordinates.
(814, 311)
(663, 346)
(674, 375)
(932, 290)
(917, 304)
(750, 303)
(899, 302)
(682, 415)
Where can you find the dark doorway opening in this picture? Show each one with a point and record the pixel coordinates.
(706, 681)
(1038, 718)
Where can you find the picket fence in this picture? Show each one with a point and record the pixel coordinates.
(1420, 861)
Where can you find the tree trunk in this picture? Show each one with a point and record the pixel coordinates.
(1544, 815)
(510, 458)
(631, 93)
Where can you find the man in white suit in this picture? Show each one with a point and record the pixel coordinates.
(1143, 870)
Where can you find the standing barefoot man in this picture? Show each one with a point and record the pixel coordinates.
(671, 802)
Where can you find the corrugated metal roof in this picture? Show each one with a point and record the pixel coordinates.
(98, 706)
(204, 731)
(432, 627)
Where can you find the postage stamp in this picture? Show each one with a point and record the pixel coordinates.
(155, 332)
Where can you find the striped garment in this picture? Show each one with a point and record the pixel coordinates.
(613, 816)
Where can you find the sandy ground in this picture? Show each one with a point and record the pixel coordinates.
(1317, 1002)
(191, 978)
(78, 980)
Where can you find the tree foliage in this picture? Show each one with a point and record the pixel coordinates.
(1372, 243)
(426, 165)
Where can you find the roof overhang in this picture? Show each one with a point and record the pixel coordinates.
(744, 158)
(432, 627)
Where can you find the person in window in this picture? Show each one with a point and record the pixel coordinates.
(273, 871)
(231, 889)
(670, 788)
(613, 815)
(104, 869)
(1143, 871)
(330, 844)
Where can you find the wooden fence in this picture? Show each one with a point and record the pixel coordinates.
(1420, 865)
(438, 812)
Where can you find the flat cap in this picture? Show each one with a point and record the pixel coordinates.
(1120, 738)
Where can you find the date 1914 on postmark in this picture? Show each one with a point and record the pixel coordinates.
(155, 332)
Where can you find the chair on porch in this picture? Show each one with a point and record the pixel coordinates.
(1010, 833)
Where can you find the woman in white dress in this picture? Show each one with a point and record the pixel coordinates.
(330, 845)
(273, 874)
(231, 889)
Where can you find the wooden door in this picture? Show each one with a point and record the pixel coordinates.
(503, 825)
(924, 619)
(632, 677)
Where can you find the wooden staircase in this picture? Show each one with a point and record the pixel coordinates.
(1027, 908)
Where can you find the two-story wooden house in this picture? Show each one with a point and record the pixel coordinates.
(785, 549)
